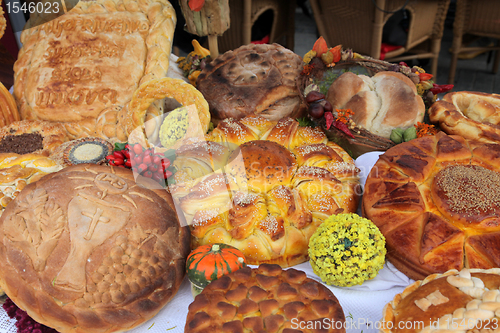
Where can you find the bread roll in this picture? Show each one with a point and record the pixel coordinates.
(473, 115)
(381, 103)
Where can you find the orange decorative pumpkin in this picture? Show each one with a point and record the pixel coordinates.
(209, 262)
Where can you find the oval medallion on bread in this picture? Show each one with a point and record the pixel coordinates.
(265, 299)
(252, 80)
(455, 301)
(436, 200)
(263, 187)
(473, 115)
(86, 249)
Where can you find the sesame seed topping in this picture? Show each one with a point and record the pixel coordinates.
(269, 224)
(470, 189)
(203, 216)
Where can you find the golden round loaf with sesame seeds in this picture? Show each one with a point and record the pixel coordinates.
(263, 187)
(265, 299)
(455, 302)
(252, 80)
(86, 249)
(436, 200)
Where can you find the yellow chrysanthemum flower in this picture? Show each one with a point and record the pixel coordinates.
(347, 250)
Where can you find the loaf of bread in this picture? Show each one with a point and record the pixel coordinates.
(265, 299)
(435, 199)
(252, 80)
(32, 136)
(263, 187)
(473, 115)
(17, 171)
(83, 67)
(456, 301)
(86, 249)
(8, 107)
(380, 103)
(3, 22)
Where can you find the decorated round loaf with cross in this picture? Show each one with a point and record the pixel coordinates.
(87, 249)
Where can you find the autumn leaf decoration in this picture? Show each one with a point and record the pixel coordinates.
(196, 5)
(320, 49)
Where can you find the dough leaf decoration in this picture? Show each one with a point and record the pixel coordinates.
(36, 227)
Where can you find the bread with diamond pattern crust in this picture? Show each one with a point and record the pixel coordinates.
(265, 299)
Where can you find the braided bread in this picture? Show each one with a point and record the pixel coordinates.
(473, 115)
(82, 68)
(3, 22)
(263, 187)
(8, 107)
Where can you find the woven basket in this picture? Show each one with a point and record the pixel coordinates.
(363, 140)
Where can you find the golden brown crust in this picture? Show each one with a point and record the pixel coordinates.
(78, 68)
(280, 181)
(17, 171)
(267, 296)
(473, 115)
(8, 107)
(3, 22)
(111, 257)
(252, 80)
(433, 199)
(133, 116)
(380, 103)
(53, 134)
(453, 301)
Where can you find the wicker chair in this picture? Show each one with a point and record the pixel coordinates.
(478, 18)
(243, 15)
(358, 24)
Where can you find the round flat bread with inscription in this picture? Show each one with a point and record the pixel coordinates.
(265, 299)
(82, 68)
(436, 200)
(86, 249)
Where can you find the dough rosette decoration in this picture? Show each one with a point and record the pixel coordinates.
(347, 250)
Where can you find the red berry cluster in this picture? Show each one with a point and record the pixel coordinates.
(143, 161)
